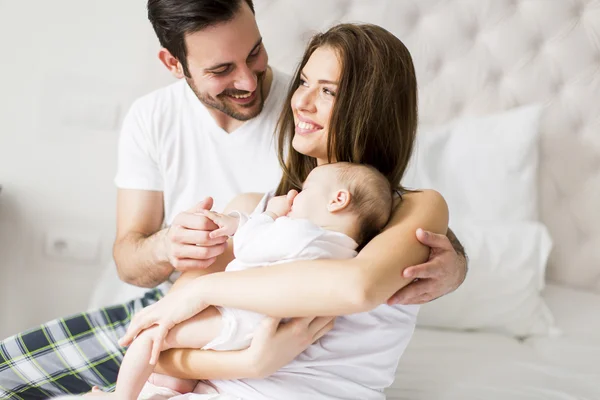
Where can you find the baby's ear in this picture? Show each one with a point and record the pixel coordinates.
(340, 200)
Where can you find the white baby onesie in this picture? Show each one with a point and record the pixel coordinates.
(261, 241)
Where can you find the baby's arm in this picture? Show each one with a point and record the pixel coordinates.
(228, 223)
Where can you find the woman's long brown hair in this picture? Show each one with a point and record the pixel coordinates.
(374, 116)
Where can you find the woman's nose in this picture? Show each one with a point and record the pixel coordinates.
(305, 100)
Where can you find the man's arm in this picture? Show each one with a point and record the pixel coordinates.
(458, 247)
(139, 250)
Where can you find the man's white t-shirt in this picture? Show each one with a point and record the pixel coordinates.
(170, 143)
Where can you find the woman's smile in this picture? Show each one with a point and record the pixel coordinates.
(305, 126)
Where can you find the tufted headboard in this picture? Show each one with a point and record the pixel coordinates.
(475, 57)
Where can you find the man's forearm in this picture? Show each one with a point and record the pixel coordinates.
(458, 247)
(140, 259)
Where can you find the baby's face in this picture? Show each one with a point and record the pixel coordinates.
(312, 201)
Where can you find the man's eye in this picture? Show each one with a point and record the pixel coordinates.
(220, 71)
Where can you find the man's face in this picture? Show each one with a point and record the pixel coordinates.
(227, 63)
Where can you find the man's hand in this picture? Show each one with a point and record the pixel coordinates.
(441, 274)
(187, 242)
(281, 205)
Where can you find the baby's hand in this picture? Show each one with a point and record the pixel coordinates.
(227, 224)
(281, 205)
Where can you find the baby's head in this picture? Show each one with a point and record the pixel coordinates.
(355, 199)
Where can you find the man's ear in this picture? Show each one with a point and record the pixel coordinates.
(339, 201)
(172, 63)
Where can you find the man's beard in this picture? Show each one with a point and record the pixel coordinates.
(223, 104)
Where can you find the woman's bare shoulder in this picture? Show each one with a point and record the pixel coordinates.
(424, 203)
(245, 202)
(424, 196)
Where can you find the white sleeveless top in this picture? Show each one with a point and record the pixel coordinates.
(356, 360)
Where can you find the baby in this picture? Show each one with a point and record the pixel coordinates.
(341, 206)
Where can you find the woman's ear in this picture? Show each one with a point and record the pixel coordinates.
(339, 201)
(172, 64)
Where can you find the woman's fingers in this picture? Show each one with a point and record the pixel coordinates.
(271, 324)
(325, 329)
(317, 323)
(320, 326)
(138, 324)
(159, 338)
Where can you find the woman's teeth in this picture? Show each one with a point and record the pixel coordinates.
(306, 125)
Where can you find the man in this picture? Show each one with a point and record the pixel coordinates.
(209, 134)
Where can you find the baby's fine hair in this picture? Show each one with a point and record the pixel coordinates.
(371, 197)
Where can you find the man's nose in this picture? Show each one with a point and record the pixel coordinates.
(245, 79)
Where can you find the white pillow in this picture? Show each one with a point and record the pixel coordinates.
(507, 265)
(485, 167)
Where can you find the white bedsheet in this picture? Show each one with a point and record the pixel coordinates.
(443, 365)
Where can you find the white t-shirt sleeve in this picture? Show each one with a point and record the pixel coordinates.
(138, 163)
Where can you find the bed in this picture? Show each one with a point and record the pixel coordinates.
(474, 365)
(526, 326)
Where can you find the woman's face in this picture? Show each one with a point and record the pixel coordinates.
(312, 103)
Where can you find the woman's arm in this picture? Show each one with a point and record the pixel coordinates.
(273, 346)
(335, 287)
(205, 364)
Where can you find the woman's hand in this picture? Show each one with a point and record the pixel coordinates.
(441, 274)
(177, 307)
(276, 344)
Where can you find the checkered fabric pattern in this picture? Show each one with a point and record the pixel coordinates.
(68, 355)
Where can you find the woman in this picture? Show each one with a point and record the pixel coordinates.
(354, 99)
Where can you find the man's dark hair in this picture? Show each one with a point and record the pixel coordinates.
(173, 19)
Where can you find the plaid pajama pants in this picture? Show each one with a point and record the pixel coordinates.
(68, 355)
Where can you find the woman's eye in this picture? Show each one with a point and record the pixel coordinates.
(303, 83)
(329, 92)
(256, 52)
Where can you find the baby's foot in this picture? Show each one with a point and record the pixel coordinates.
(96, 392)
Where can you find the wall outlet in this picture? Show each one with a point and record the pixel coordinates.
(72, 245)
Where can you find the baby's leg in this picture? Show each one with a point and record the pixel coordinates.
(196, 332)
(136, 368)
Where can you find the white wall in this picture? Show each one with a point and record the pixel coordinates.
(68, 72)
